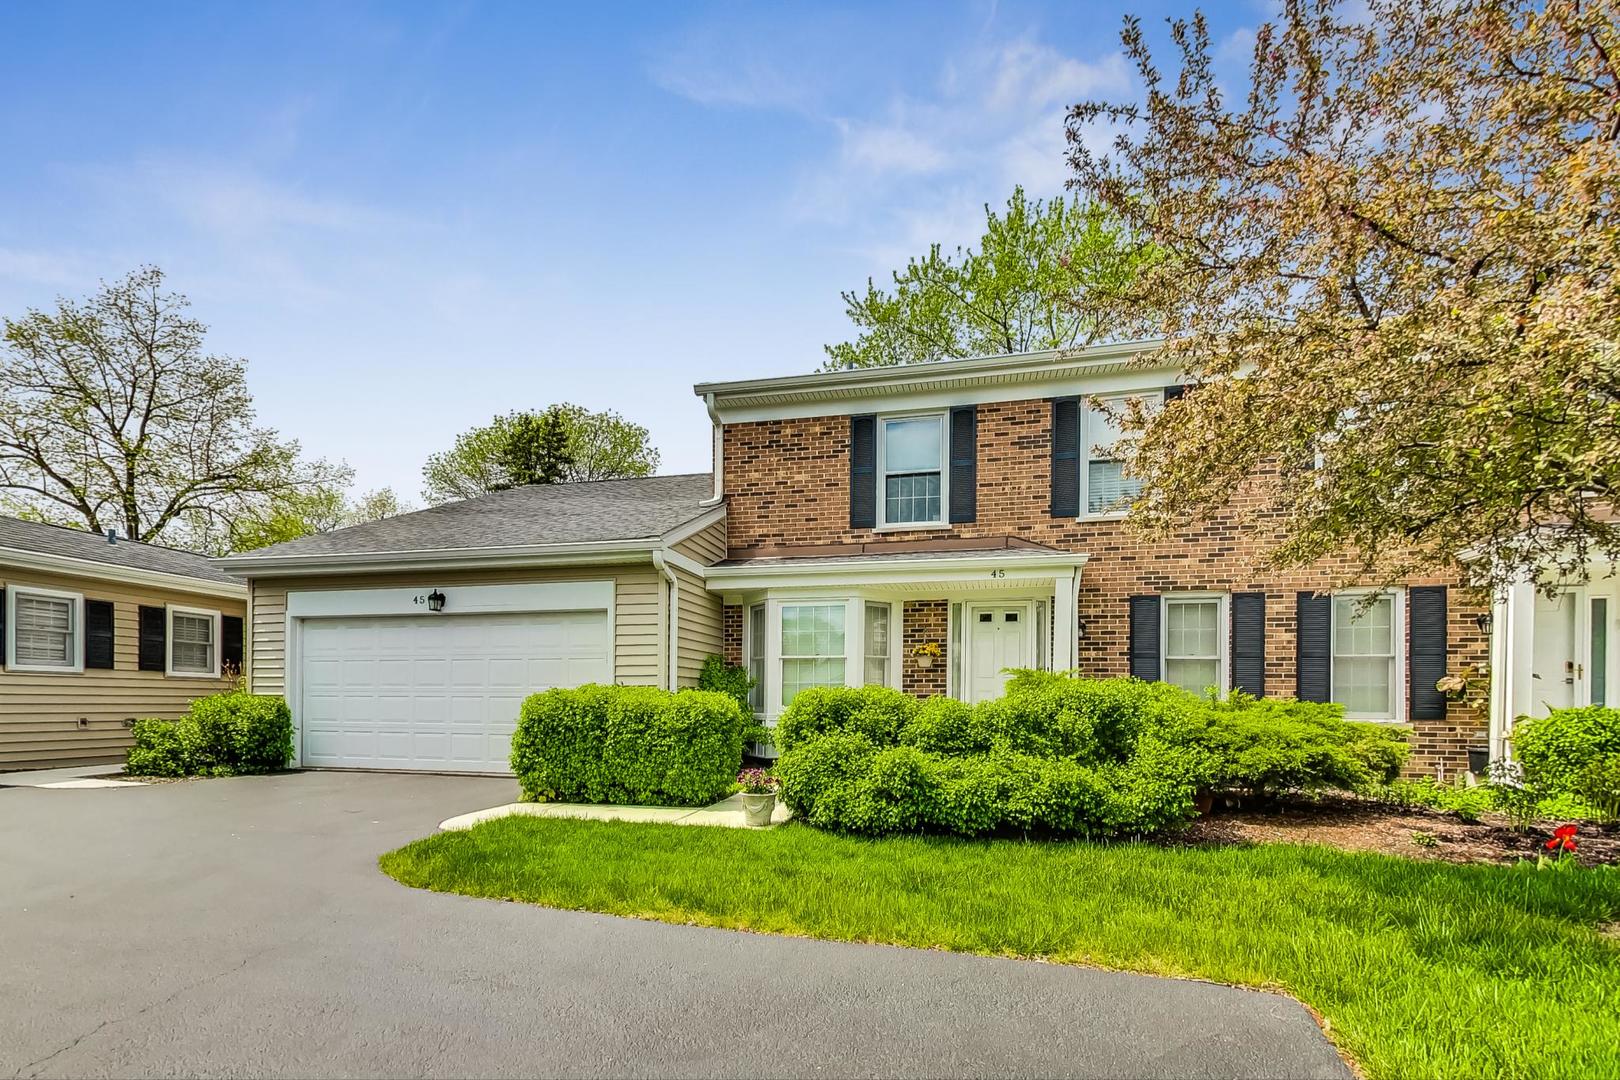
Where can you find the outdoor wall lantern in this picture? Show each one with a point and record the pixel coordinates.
(435, 600)
(1483, 621)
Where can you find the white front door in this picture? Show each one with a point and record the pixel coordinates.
(998, 638)
(1555, 664)
(436, 692)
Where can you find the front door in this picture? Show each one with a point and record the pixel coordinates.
(998, 639)
(1556, 666)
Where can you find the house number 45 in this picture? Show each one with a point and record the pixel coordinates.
(998, 573)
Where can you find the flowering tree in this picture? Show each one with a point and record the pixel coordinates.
(1402, 235)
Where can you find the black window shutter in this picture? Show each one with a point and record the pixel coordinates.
(1249, 643)
(2, 627)
(154, 642)
(1171, 393)
(1426, 663)
(863, 472)
(230, 644)
(1145, 638)
(964, 463)
(1314, 659)
(98, 634)
(1066, 457)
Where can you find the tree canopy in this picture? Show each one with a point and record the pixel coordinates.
(1389, 270)
(297, 514)
(1042, 277)
(113, 415)
(563, 443)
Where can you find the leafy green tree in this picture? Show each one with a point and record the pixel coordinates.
(112, 415)
(1392, 254)
(1043, 277)
(597, 445)
(299, 514)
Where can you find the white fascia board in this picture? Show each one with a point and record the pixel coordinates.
(124, 575)
(696, 525)
(587, 554)
(921, 570)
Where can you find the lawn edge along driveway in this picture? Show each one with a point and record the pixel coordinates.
(1415, 967)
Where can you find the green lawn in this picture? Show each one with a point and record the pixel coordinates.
(1421, 969)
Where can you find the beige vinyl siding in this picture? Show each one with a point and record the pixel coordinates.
(700, 627)
(40, 713)
(637, 605)
(707, 546)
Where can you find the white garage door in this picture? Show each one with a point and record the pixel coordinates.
(437, 692)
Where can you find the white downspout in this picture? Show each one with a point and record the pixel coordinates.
(672, 681)
(719, 453)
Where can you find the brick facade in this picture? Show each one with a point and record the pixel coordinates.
(787, 484)
(732, 633)
(925, 620)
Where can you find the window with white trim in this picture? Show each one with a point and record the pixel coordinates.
(193, 642)
(812, 647)
(44, 630)
(911, 467)
(756, 657)
(877, 644)
(1366, 646)
(1105, 489)
(1193, 642)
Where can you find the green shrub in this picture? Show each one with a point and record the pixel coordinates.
(1598, 786)
(228, 734)
(875, 711)
(1267, 747)
(1467, 801)
(1555, 749)
(726, 678)
(631, 745)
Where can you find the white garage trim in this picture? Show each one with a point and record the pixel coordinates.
(460, 599)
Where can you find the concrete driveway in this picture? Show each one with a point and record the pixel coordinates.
(241, 928)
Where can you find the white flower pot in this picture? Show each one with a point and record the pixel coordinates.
(925, 661)
(757, 809)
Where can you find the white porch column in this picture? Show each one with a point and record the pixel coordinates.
(1513, 620)
(1065, 622)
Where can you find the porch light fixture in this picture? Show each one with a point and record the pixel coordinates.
(1483, 621)
(435, 600)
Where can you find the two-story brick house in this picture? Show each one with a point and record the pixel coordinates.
(851, 517)
(975, 504)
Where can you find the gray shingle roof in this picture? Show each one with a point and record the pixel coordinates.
(629, 509)
(33, 537)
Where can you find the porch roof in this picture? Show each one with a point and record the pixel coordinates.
(1001, 566)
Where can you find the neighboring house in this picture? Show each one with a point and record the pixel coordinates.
(97, 632)
(851, 517)
(975, 504)
(411, 642)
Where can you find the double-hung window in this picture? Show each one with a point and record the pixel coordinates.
(1193, 642)
(45, 630)
(1107, 490)
(812, 647)
(911, 461)
(877, 644)
(193, 642)
(1366, 644)
(756, 657)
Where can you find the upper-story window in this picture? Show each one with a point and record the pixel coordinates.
(911, 467)
(1105, 487)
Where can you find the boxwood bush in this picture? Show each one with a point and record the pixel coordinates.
(1058, 754)
(1573, 753)
(632, 745)
(228, 734)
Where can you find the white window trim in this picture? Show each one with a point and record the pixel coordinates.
(854, 644)
(1397, 617)
(1223, 635)
(168, 642)
(1086, 445)
(75, 646)
(764, 684)
(883, 524)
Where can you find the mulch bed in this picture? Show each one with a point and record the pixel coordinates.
(1359, 825)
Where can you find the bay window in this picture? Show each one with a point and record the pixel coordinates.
(877, 644)
(911, 466)
(812, 650)
(756, 657)
(1365, 642)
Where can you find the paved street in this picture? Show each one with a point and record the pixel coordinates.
(241, 928)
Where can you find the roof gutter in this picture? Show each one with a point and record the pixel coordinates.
(595, 552)
(90, 568)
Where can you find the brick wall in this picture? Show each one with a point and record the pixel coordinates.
(787, 483)
(732, 633)
(925, 620)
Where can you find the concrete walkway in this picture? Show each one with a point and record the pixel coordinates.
(77, 776)
(240, 927)
(727, 813)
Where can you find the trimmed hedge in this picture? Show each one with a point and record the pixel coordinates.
(228, 734)
(632, 745)
(1058, 754)
(1573, 753)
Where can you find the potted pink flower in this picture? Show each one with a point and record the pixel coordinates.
(758, 796)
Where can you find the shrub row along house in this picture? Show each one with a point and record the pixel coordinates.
(924, 527)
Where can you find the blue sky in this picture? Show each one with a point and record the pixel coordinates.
(411, 216)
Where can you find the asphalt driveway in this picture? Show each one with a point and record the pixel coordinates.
(241, 928)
